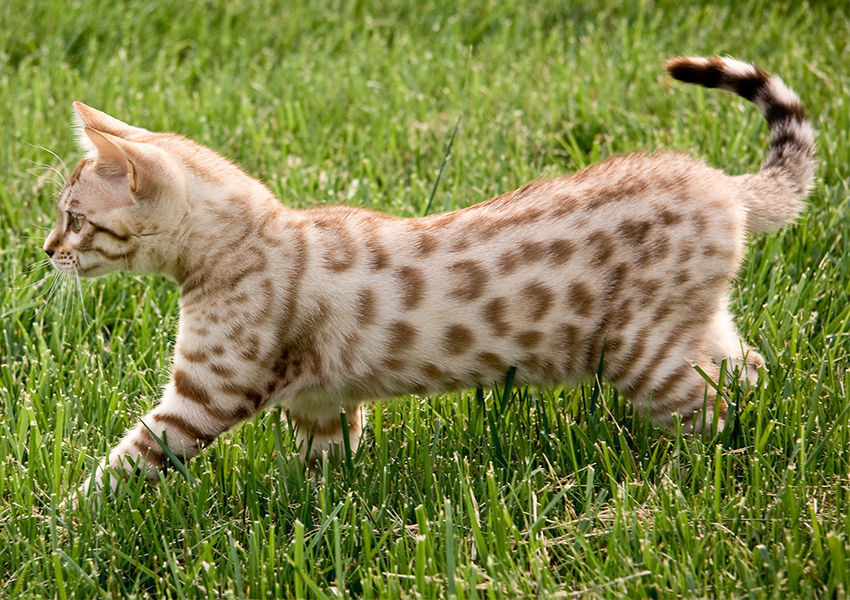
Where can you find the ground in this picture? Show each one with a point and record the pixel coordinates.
(554, 493)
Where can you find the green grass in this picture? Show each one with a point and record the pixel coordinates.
(548, 493)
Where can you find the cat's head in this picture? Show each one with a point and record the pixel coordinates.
(122, 206)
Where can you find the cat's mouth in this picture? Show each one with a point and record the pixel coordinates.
(73, 268)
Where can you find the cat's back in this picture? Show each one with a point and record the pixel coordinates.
(537, 278)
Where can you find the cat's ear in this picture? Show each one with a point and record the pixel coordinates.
(86, 116)
(112, 162)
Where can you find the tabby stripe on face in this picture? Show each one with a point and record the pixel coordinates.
(109, 232)
(113, 256)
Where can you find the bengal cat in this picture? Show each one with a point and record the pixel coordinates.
(320, 310)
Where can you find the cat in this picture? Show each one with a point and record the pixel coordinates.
(624, 266)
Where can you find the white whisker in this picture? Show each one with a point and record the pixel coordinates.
(54, 155)
(79, 286)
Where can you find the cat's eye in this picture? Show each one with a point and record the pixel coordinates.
(75, 221)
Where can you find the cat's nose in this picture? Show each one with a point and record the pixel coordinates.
(50, 252)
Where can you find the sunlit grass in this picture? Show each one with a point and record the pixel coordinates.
(549, 493)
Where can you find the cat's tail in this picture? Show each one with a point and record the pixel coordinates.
(774, 196)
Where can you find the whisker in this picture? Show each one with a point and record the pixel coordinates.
(37, 265)
(79, 287)
(55, 284)
(54, 155)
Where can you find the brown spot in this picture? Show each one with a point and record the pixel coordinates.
(531, 364)
(458, 339)
(701, 222)
(251, 350)
(540, 297)
(483, 228)
(667, 218)
(366, 307)
(531, 252)
(569, 339)
(560, 251)
(635, 232)
(412, 287)
(401, 336)
(528, 339)
(187, 388)
(255, 398)
(603, 244)
(493, 362)
(426, 243)
(433, 372)
(379, 255)
(394, 364)
(620, 316)
(508, 262)
(686, 252)
(469, 279)
(528, 252)
(248, 261)
(295, 363)
(461, 242)
(340, 252)
(654, 252)
(580, 298)
(647, 289)
(622, 365)
(495, 312)
(662, 312)
(520, 217)
(193, 356)
(663, 389)
(222, 371)
(566, 206)
(682, 278)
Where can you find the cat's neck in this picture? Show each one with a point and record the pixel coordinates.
(222, 228)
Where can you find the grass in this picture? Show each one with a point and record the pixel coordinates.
(534, 492)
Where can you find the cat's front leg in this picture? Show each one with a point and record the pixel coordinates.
(188, 419)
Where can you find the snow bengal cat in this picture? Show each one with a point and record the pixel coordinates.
(624, 266)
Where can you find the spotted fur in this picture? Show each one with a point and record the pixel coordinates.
(320, 310)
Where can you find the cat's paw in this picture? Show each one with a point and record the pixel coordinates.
(99, 485)
(751, 366)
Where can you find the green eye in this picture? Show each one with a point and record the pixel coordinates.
(76, 221)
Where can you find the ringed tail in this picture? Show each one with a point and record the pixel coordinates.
(774, 196)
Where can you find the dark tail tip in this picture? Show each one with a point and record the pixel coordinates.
(709, 74)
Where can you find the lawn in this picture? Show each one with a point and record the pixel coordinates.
(394, 105)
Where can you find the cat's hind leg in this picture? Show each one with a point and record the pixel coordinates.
(321, 431)
(671, 388)
(727, 345)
